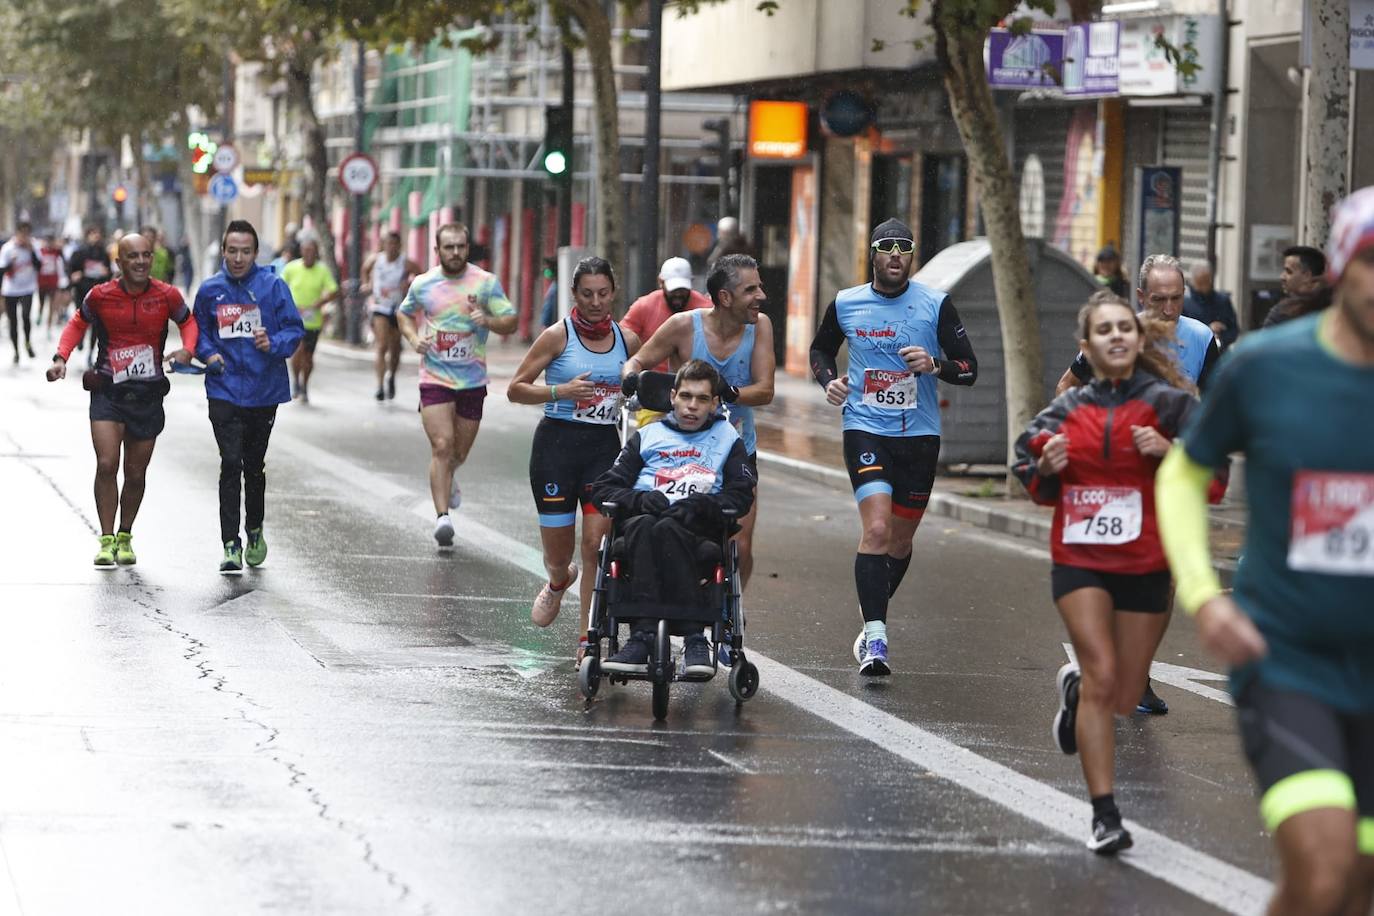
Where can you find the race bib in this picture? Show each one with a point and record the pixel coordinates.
(238, 320)
(681, 482)
(130, 364)
(1101, 515)
(454, 346)
(602, 407)
(890, 390)
(1333, 523)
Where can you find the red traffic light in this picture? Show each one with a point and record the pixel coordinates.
(121, 194)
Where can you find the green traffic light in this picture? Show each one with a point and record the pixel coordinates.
(555, 163)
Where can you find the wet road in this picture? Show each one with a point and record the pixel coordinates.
(368, 725)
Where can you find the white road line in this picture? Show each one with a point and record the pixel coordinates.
(1219, 883)
(1182, 677)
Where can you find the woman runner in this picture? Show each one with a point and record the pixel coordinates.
(1092, 454)
(577, 440)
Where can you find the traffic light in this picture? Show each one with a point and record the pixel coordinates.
(202, 151)
(725, 159)
(120, 194)
(558, 141)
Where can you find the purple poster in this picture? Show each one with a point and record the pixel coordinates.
(1027, 61)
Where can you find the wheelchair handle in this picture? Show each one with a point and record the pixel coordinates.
(629, 385)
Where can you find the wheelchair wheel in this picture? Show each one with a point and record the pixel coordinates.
(744, 681)
(589, 676)
(660, 700)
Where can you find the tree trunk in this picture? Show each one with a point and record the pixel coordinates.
(1327, 112)
(960, 50)
(299, 83)
(610, 204)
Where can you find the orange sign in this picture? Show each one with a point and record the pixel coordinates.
(777, 130)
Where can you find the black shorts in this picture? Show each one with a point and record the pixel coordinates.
(566, 459)
(1289, 734)
(901, 466)
(1146, 593)
(389, 316)
(310, 339)
(138, 405)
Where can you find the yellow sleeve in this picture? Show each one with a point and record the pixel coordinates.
(1181, 512)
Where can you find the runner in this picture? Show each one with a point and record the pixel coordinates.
(894, 326)
(312, 288)
(577, 441)
(129, 321)
(1298, 632)
(1161, 295)
(1092, 454)
(19, 263)
(736, 339)
(389, 274)
(52, 284)
(650, 311)
(446, 316)
(88, 267)
(249, 327)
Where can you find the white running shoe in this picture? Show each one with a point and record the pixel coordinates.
(443, 531)
(455, 494)
(548, 602)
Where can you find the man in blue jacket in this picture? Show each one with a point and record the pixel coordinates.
(249, 326)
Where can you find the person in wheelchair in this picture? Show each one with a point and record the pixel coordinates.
(671, 485)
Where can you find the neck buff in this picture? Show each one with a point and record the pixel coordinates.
(588, 329)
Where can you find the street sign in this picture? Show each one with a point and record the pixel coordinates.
(226, 158)
(358, 173)
(260, 176)
(224, 189)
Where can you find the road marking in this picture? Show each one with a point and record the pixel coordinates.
(1182, 677)
(1219, 883)
(732, 763)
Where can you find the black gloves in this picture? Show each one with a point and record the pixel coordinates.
(643, 502)
(699, 513)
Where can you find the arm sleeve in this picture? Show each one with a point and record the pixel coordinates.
(186, 323)
(960, 366)
(72, 333)
(825, 346)
(1081, 369)
(289, 327)
(1181, 512)
(207, 343)
(1209, 363)
(1029, 445)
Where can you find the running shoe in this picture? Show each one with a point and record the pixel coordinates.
(124, 549)
(28, 348)
(1150, 704)
(874, 660)
(696, 657)
(1110, 836)
(256, 551)
(859, 643)
(455, 493)
(391, 386)
(105, 556)
(443, 530)
(548, 602)
(633, 657)
(1067, 717)
(381, 394)
(232, 564)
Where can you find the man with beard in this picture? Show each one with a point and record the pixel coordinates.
(650, 311)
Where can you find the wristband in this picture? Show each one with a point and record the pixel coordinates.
(553, 392)
(935, 366)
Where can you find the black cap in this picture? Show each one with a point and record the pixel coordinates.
(892, 229)
(1108, 251)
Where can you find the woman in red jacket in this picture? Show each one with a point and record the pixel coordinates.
(1092, 454)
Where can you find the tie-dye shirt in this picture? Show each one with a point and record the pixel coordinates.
(440, 306)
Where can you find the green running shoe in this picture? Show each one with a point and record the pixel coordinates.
(105, 556)
(232, 564)
(256, 551)
(124, 549)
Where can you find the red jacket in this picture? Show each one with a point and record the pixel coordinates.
(1104, 515)
(127, 325)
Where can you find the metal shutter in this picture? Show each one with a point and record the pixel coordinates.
(1187, 136)
(1041, 130)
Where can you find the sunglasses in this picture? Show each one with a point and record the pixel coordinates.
(901, 246)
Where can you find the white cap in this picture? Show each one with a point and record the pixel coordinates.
(675, 273)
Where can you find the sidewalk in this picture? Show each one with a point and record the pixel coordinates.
(800, 433)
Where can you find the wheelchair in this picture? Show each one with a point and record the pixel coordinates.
(720, 611)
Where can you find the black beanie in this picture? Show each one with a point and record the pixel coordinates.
(892, 229)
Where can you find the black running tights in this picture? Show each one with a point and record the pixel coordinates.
(242, 434)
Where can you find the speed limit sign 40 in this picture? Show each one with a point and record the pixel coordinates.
(358, 173)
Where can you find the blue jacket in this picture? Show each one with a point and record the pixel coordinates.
(251, 377)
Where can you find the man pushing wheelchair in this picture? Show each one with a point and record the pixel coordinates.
(676, 486)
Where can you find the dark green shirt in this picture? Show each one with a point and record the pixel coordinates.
(1305, 421)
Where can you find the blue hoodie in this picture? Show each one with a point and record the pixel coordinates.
(251, 377)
